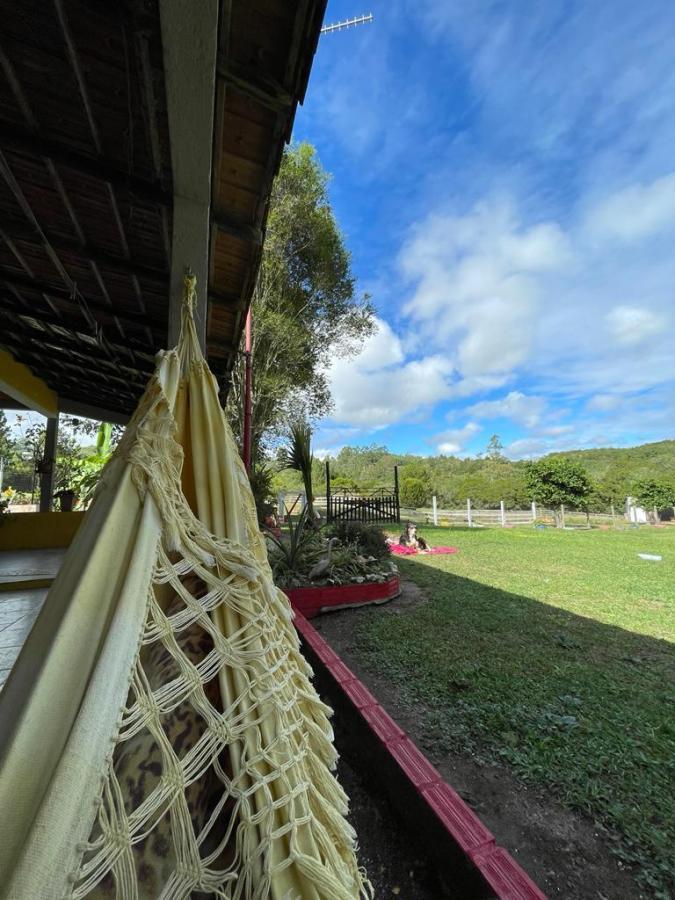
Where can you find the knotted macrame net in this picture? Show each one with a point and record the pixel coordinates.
(161, 735)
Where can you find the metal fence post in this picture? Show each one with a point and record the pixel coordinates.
(434, 508)
(468, 512)
(503, 512)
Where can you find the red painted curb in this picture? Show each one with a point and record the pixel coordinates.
(310, 601)
(459, 823)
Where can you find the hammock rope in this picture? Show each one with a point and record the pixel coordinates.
(194, 755)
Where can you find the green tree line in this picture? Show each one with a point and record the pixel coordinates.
(612, 475)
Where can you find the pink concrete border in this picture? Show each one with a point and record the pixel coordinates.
(458, 822)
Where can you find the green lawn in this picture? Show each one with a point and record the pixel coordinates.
(551, 652)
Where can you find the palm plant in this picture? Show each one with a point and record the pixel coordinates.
(292, 556)
(298, 455)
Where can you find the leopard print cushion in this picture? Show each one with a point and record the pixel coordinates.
(138, 764)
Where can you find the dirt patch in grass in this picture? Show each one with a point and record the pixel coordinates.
(560, 850)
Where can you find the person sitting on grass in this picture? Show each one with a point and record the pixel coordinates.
(410, 538)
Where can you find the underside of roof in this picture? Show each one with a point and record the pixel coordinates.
(86, 190)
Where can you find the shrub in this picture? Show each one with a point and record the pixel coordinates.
(370, 539)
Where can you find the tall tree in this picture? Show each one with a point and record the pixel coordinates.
(5, 436)
(655, 496)
(554, 482)
(305, 309)
(494, 448)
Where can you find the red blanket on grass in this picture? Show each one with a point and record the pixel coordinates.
(402, 550)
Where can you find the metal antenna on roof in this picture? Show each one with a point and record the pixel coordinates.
(347, 23)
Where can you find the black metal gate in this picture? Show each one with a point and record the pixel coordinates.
(370, 507)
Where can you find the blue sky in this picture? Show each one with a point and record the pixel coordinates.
(504, 174)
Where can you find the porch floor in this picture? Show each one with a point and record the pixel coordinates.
(25, 576)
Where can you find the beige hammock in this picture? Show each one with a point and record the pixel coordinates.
(159, 734)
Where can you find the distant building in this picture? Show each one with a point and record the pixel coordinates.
(635, 513)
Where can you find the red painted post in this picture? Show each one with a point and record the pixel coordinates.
(247, 395)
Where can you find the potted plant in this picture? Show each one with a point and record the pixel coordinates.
(66, 498)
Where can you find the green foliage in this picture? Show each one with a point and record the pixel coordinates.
(305, 310)
(5, 436)
(494, 448)
(369, 539)
(260, 479)
(298, 455)
(76, 467)
(350, 555)
(292, 556)
(653, 494)
(414, 492)
(487, 481)
(553, 482)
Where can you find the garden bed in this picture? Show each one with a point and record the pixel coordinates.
(311, 601)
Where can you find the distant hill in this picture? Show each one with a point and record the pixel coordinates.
(485, 480)
(646, 460)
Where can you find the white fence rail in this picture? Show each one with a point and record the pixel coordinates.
(472, 517)
(293, 502)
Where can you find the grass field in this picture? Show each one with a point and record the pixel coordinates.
(551, 652)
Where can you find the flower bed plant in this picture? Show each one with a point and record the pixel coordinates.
(346, 555)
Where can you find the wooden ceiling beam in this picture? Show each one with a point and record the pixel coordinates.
(74, 59)
(41, 327)
(25, 143)
(36, 322)
(249, 233)
(93, 370)
(51, 292)
(89, 253)
(253, 83)
(73, 347)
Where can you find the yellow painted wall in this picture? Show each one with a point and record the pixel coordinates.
(19, 382)
(31, 531)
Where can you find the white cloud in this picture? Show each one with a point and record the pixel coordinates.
(636, 211)
(478, 384)
(379, 387)
(476, 283)
(523, 409)
(633, 325)
(455, 439)
(324, 452)
(604, 402)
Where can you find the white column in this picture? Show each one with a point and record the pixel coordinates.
(562, 515)
(434, 509)
(281, 506)
(468, 512)
(534, 511)
(503, 512)
(189, 45)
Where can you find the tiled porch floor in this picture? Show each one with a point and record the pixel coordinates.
(19, 608)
